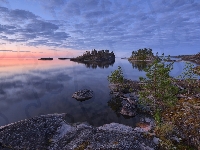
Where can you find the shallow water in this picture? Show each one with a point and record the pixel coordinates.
(30, 87)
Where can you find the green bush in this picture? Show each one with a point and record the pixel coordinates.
(188, 77)
(116, 76)
(158, 92)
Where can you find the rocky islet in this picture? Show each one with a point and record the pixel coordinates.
(82, 95)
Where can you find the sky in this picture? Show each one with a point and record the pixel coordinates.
(67, 28)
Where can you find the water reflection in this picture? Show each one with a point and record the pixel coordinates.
(29, 89)
(115, 103)
(94, 65)
(140, 65)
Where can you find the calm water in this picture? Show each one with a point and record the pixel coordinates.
(30, 87)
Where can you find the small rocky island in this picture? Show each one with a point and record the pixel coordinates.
(82, 95)
(143, 55)
(46, 58)
(94, 59)
(95, 56)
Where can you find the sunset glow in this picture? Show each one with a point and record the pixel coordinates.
(21, 51)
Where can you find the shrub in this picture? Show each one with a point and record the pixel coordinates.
(189, 77)
(158, 91)
(116, 76)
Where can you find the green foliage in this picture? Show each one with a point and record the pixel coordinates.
(116, 76)
(188, 76)
(160, 94)
(131, 90)
(158, 91)
(188, 73)
(142, 54)
(157, 117)
(163, 130)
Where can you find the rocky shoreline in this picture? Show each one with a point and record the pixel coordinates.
(130, 98)
(53, 132)
(189, 103)
(193, 58)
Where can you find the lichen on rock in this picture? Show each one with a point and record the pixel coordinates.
(83, 95)
(53, 132)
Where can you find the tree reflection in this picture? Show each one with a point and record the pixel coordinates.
(94, 65)
(140, 65)
(115, 103)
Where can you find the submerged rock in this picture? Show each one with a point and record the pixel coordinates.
(83, 95)
(128, 110)
(53, 132)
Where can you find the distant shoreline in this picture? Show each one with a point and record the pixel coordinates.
(135, 59)
(46, 58)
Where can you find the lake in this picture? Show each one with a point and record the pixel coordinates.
(30, 87)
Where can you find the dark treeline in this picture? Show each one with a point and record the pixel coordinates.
(143, 54)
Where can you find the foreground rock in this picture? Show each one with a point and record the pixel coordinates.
(83, 95)
(53, 132)
(128, 99)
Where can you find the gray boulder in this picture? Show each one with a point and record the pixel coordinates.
(83, 95)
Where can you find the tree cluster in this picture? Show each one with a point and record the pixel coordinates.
(142, 54)
(94, 55)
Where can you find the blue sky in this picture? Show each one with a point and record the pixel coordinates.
(169, 26)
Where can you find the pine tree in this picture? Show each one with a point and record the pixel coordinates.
(158, 91)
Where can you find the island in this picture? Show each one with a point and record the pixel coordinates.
(143, 55)
(94, 59)
(95, 56)
(64, 58)
(46, 58)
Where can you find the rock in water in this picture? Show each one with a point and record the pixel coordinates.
(128, 110)
(83, 95)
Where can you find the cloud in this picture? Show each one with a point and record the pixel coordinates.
(112, 24)
(4, 2)
(30, 29)
(21, 14)
(23, 51)
(52, 5)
